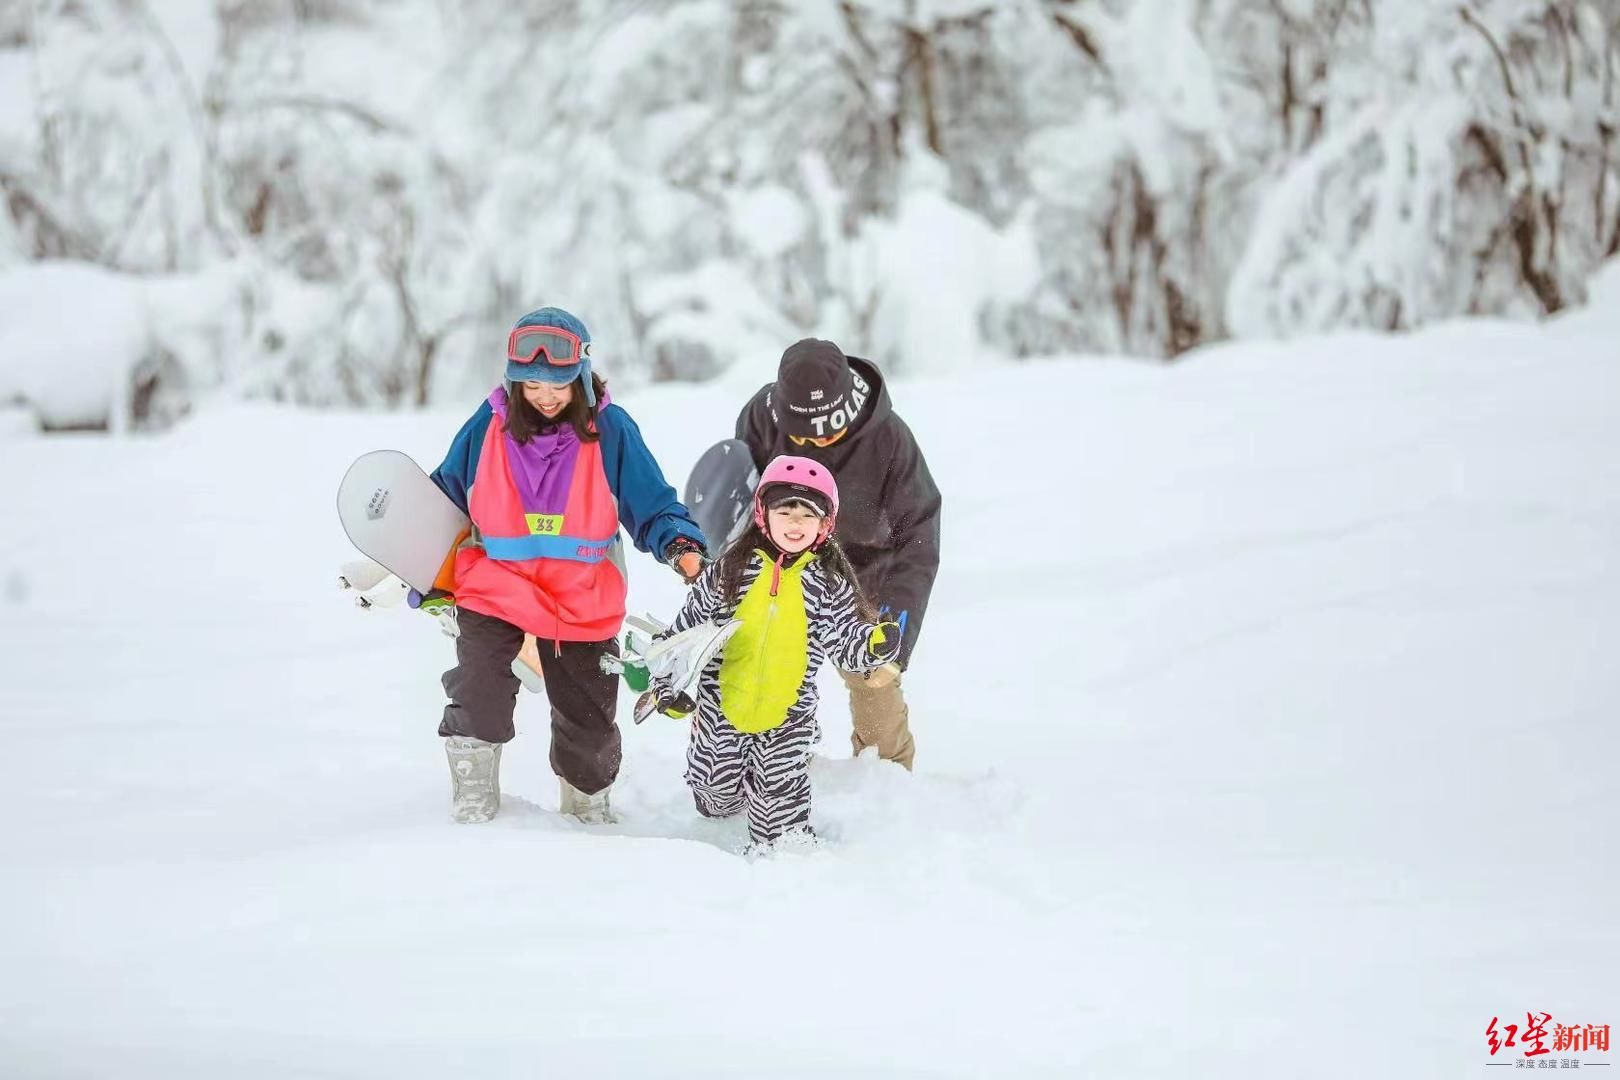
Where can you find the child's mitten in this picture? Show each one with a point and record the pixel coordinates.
(679, 706)
(667, 701)
(884, 641)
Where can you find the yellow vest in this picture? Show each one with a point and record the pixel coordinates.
(765, 662)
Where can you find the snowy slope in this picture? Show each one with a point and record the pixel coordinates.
(1308, 767)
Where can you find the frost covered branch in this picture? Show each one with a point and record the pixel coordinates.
(929, 183)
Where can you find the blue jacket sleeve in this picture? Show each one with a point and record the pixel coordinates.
(648, 507)
(455, 474)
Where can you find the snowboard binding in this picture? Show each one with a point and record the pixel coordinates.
(373, 586)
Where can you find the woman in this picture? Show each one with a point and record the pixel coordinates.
(547, 469)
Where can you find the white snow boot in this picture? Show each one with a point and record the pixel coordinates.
(591, 809)
(475, 778)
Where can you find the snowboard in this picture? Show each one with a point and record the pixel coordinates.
(719, 492)
(372, 584)
(679, 658)
(397, 516)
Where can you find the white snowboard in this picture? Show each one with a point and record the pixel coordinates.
(679, 658)
(396, 515)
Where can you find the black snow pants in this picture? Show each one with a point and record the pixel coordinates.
(585, 746)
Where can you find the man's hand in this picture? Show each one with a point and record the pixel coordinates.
(883, 676)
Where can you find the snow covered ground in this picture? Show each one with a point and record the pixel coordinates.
(1307, 767)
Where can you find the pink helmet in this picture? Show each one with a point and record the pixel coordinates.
(810, 477)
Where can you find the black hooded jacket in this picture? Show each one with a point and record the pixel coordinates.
(888, 516)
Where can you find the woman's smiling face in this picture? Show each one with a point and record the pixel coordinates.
(549, 398)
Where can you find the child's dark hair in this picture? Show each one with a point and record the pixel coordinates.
(524, 422)
(733, 561)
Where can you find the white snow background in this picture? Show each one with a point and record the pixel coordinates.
(1266, 724)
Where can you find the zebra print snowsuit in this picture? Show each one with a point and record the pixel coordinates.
(732, 765)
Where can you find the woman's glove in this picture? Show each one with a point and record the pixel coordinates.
(684, 554)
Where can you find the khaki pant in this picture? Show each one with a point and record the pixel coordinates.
(881, 719)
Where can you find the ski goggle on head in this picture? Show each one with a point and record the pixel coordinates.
(812, 440)
(559, 348)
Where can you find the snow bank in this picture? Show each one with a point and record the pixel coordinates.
(1287, 709)
(70, 334)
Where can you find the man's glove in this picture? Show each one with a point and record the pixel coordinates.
(686, 556)
(878, 678)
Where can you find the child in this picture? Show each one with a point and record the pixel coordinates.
(791, 587)
(548, 469)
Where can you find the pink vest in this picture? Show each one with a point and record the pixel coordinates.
(549, 561)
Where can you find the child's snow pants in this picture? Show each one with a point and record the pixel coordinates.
(585, 746)
(766, 774)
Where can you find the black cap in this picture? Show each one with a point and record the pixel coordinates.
(777, 494)
(814, 395)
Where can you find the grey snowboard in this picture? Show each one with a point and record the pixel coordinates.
(720, 491)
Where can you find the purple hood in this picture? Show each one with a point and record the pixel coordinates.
(543, 468)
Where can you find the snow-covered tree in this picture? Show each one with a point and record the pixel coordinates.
(348, 201)
(1468, 168)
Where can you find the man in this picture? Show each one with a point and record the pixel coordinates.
(835, 409)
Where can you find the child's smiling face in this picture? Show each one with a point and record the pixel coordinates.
(793, 526)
